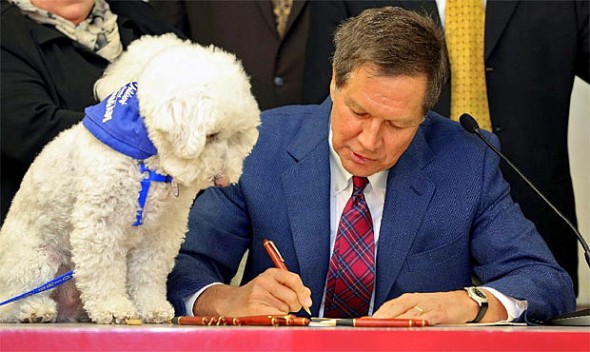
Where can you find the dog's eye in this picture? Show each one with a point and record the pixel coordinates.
(212, 137)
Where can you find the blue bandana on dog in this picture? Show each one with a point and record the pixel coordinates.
(116, 122)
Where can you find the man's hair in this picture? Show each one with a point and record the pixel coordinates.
(397, 42)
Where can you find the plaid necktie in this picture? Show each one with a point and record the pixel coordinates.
(464, 32)
(351, 275)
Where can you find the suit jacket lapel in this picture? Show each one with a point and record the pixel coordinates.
(498, 14)
(266, 11)
(409, 191)
(307, 193)
(296, 10)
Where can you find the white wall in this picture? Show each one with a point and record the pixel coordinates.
(579, 148)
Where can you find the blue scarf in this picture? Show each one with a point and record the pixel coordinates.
(116, 122)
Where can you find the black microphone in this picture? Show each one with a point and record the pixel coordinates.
(578, 318)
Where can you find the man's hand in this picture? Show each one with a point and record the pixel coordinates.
(440, 308)
(274, 291)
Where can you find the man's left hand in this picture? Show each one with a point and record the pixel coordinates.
(441, 308)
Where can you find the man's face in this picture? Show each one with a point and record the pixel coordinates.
(375, 118)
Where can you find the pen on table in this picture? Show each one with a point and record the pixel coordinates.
(277, 259)
(256, 320)
(371, 322)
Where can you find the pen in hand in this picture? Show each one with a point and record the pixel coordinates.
(277, 259)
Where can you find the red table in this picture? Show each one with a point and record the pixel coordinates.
(90, 337)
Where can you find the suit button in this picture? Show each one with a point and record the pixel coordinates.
(489, 69)
(498, 129)
(279, 81)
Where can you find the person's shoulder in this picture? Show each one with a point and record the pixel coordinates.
(292, 111)
(442, 133)
(291, 116)
(6, 6)
(10, 14)
(283, 124)
(140, 16)
(16, 30)
(128, 6)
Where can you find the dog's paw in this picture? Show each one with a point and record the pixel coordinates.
(38, 309)
(162, 313)
(112, 312)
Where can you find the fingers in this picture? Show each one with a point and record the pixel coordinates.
(436, 307)
(401, 307)
(274, 291)
(290, 289)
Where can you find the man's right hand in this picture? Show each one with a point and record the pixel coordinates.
(275, 292)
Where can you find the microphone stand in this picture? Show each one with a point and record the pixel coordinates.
(578, 318)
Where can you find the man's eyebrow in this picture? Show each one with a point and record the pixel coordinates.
(351, 103)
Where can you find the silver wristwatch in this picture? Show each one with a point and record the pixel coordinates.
(481, 299)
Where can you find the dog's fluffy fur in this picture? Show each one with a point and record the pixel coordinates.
(78, 201)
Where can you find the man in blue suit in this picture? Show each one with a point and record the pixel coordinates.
(440, 209)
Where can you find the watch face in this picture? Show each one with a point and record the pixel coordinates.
(479, 293)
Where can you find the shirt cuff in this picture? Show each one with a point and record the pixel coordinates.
(189, 302)
(514, 307)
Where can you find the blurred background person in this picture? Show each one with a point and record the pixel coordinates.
(52, 53)
(268, 36)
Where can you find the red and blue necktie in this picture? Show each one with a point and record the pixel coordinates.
(351, 275)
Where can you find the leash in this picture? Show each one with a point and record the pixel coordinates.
(46, 286)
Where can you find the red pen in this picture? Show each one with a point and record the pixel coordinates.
(277, 259)
(274, 254)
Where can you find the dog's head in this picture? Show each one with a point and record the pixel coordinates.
(199, 112)
(128, 66)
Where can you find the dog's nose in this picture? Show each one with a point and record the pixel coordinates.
(220, 181)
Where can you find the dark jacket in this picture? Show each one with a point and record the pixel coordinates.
(248, 29)
(533, 51)
(47, 81)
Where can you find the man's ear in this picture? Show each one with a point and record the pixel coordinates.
(333, 84)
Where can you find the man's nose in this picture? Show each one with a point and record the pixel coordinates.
(370, 137)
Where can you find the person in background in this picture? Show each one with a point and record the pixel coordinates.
(532, 51)
(378, 206)
(52, 53)
(269, 37)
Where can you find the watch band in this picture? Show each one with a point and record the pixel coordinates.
(482, 301)
(482, 311)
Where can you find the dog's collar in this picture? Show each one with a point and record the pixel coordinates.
(116, 122)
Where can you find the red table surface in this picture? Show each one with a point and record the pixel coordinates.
(90, 337)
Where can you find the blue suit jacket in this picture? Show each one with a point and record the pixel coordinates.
(447, 214)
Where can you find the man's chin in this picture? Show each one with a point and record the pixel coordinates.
(357, 169)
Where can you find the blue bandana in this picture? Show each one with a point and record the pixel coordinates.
(116, 122)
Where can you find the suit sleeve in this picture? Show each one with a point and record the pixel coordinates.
(509, 255)
(218, 216)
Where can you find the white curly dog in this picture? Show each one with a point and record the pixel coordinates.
(79, 206)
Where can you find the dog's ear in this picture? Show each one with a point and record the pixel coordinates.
(186, 121)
